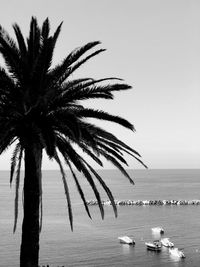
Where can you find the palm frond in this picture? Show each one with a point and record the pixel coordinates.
(87, 83)
(116, 164)
(66, 124)
(41, 211)
(95, 130)
(98, 114)
(77, 93)
(10, 53)
(117, 147)
(7, 84)
(47, 45)
(76, 82)
(43, 63)
(56, 34)
(21, 41)
(6, 139)
(89, 153)
(40, 203)
(45, 29)
(14, 161)
(114, 146)
(109, 150)
(57, 72)
(105, 187)
(66, 191)
(33, 41)
(78, 186)
(17, 189)
(93, 88)
(88, 137)
(70, 70)
(88, 176)
(80, 166)
(84, 89)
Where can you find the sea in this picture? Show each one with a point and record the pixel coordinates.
(94, 242)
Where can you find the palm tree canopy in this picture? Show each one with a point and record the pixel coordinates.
(42, 104)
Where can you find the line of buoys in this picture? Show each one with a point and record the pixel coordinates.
(147, 202)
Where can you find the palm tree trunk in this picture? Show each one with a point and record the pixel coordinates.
(29, 255)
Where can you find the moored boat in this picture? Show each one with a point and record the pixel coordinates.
(155, 245)
(166, 242)
(126, 240)
(177, 252)
(158, 229)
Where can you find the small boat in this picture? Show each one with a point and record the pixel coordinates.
(126, 240)
(177, 252)
(166, 242)
(158, 229)
(155, 245)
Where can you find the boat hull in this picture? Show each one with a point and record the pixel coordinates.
(159, 230)
(153, 247)
(177, 253)
(126, 240)
(166, 243)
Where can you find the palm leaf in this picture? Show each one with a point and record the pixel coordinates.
(105, 187)
(89, 82)
(6, 139)
(89, 153)
(56, 73)
(78, 187)
(117, 147)
(41, 213)
(109, 150)
(45, 29)
(78, 64)
(78, 163)
(66, 191)
(33, 41)
(93, 129)
(14, 161)
(56, 34)
(117, 164)
(17, 190)
(98, 114)
(10, 53)
(20, 40)
(66, 123)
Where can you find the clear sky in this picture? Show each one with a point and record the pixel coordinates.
(155, 46)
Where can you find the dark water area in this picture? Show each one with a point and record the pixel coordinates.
(94, 242)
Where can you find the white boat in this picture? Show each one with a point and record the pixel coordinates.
(126, 240)
(177, 252)
(158, 229)
(166, 242)
(155, 245)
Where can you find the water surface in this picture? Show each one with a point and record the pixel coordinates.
(94, 242)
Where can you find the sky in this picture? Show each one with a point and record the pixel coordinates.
(154, 45)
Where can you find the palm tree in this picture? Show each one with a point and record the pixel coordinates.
(41, 109)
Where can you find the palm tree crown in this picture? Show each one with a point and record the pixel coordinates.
(40, 104)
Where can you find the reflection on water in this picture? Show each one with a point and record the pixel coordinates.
(156, 235)
(175, 258)
(126, 249)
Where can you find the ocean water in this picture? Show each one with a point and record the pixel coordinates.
(94, 242)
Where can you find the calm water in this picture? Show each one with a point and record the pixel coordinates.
(94, 242)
